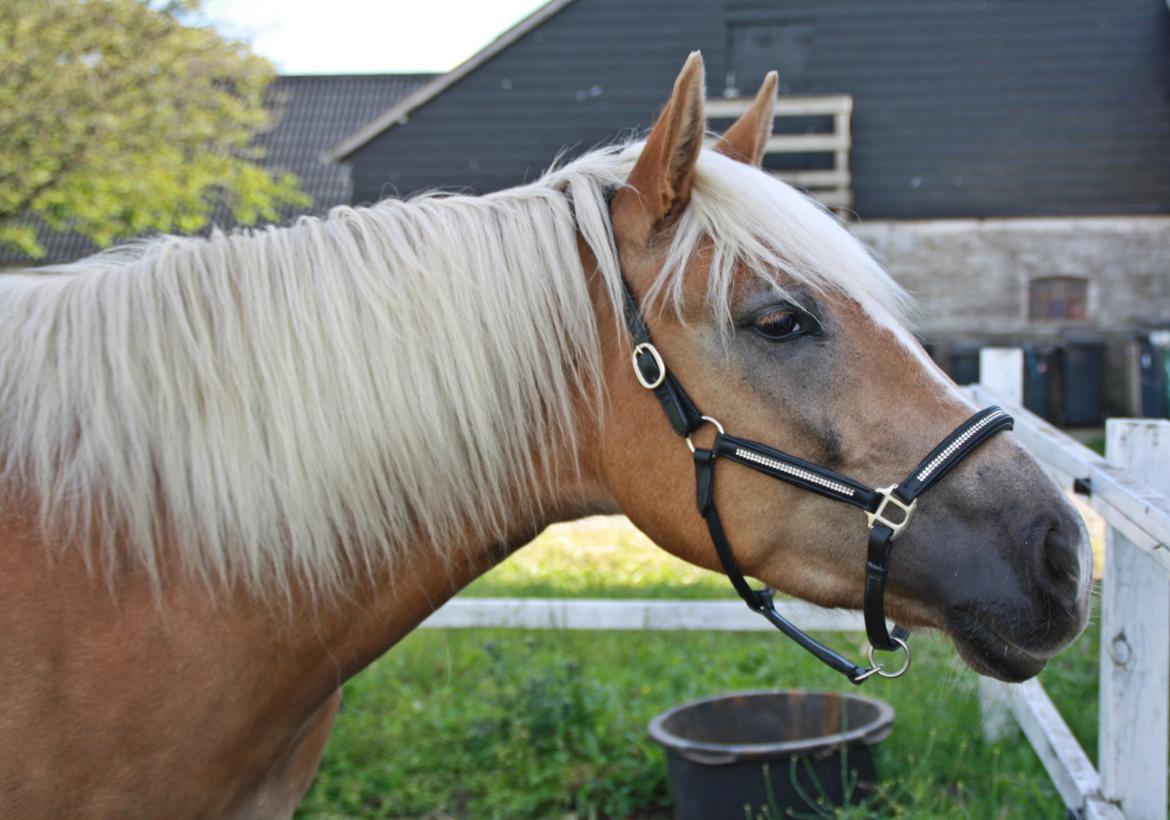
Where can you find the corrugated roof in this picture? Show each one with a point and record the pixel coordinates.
(313, 112)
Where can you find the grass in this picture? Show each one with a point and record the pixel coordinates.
(512, 724)
(599, 557)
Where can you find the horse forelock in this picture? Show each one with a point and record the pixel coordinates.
(297, 404)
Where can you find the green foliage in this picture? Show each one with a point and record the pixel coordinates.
(117, 118)
(458, 730)
(494, 723)
(508, 724)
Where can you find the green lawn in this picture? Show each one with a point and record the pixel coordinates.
(599, 557)
(511, 724)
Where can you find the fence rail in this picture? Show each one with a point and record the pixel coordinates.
(717, 616)
(1126, 489)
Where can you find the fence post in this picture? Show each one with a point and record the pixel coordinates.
(1135, 654)
(995, 710)
(1001, 371)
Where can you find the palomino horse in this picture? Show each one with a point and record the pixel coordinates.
(238, 470)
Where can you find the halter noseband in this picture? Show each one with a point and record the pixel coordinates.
(888, 510)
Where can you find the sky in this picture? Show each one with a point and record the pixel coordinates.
(366, 36)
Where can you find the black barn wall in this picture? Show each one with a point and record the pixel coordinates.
(962, 108)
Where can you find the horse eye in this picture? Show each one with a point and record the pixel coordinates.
(779, 325)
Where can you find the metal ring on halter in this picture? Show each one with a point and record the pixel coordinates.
(709, 420)
(881, 669)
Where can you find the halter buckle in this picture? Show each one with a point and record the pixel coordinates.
(652, 351)
(880, 516)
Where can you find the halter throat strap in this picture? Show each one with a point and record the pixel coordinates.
(888, 510)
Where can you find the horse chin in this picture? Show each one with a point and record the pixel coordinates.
(990, 654)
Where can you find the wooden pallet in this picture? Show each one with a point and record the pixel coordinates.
(832, 187)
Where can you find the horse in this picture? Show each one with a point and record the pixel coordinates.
(237, 469)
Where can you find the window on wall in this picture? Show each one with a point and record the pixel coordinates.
(757, 44)
(1058, 299)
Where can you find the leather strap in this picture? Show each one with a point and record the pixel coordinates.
(953, 449)
(681, 412)
(797, 471)
(759, 600)
(877, 564)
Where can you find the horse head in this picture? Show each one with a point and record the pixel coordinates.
(784, 330)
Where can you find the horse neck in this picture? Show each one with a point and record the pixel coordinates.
(378, 615)
(381, 614)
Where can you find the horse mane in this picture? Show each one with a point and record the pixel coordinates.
(296, 404)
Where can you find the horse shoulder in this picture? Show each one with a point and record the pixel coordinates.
(112, 704)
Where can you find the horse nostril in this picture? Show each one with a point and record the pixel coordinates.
(1061, 558)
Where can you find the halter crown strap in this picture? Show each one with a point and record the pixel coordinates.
(653, 374)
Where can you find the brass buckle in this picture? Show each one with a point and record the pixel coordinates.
(879, 516)
(646, 347)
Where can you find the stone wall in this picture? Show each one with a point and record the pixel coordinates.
(971, 278)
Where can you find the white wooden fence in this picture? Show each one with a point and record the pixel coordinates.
(636, 615)
(1127, 489)
(1135, 612)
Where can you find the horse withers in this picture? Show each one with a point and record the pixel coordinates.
(237, 470)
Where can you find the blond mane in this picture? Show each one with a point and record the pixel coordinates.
(300, 403)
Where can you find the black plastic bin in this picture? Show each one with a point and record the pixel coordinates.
(1083, 377)
(964, 361)
(771, 752)
(1042, 380)
(1152, 374)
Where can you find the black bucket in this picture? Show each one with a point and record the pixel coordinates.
(762, 754)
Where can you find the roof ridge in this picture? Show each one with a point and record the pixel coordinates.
(359, 75)
(398, 112)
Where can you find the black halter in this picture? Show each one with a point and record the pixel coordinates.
(887, 509)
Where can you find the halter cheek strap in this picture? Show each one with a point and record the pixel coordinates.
(888, 510)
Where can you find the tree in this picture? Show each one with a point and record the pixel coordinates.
(119, 118)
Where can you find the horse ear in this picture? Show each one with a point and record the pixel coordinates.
(747, 139)
(660, 183)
